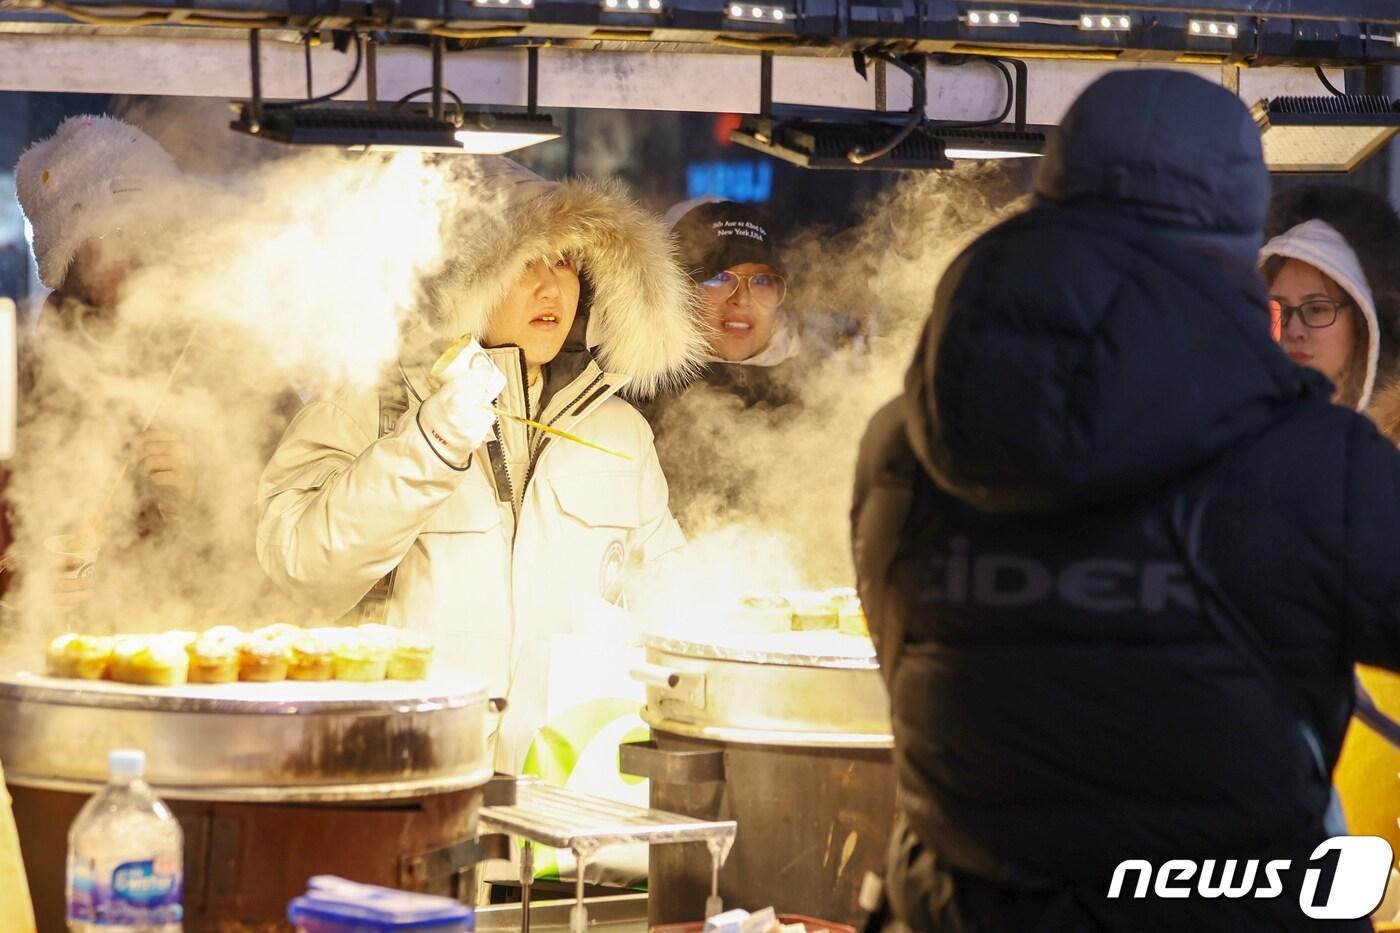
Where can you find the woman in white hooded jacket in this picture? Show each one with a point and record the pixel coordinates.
(1333, 270)
(486, 534)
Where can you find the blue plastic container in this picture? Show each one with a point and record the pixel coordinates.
(334, 905)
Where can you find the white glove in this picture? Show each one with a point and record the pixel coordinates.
(458, 417)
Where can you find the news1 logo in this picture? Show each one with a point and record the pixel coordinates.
(1343, 879)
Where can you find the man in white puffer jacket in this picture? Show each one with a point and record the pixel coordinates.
(499, 537)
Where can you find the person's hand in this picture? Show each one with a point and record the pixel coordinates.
(169, 463)
(69, 570)
(458, 417)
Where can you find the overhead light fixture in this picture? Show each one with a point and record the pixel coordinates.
(504, 4)
(756, 13)
(484, 133)
(481, 133)
(985, 155)
(369, 129)
(824, 144)
(987, 143)
(1213, 29)
(1099, 22)
(1324, 134)
(995, 18)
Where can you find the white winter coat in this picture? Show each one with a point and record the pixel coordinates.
(341, 507)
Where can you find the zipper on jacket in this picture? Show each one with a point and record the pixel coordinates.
(502, 459)
(503, 453)
(585, 396)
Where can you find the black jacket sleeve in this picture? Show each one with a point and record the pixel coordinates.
(886, 475)
(1372, 541)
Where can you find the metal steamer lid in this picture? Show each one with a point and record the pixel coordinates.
(251, 742)
(745, 692)
(788, 649)
(282, 698)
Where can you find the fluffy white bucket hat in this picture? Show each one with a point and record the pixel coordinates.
(72, 185)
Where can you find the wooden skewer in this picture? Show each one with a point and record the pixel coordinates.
(558, 433)
(449, 355)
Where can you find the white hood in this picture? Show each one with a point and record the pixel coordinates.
(82, 182)
(1318, 244)
(641, 323)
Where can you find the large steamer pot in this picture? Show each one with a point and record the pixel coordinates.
(290, 741)
(271, 783)
(789, 739)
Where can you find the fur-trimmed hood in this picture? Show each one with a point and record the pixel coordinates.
(637, 300)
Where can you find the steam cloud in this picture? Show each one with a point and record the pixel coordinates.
(775, 483)
(288, 279)
(294, 275)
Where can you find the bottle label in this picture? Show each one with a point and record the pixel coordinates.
(145, 893)
(82, 904)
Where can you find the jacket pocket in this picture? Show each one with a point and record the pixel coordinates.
(471, 508)
(599, 500)
(307, 479)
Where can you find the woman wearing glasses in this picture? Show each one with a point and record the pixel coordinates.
(1334, 287)
(729, 251)
(752, 361)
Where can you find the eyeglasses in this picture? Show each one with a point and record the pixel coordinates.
(1315, 313)
(765, 288)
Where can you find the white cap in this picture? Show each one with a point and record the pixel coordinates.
(70, 183)
(126, 762)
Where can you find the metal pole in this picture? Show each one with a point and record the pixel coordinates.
(765, 84)
(714, 904)
(372, 72)
(255, 54)
(306, 44)
(1022, 90)
(578, 914)
(437, 77)
(532, 92)
(527, 879)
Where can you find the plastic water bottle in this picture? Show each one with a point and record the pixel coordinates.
(125, 857)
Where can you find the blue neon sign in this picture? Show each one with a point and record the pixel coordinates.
(745, 182)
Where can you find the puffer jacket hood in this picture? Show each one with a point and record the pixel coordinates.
(639, 321)
(1116, 335)
(1169, 148)
(1321, 246)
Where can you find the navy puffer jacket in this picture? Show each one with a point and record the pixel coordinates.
(1119, 554)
